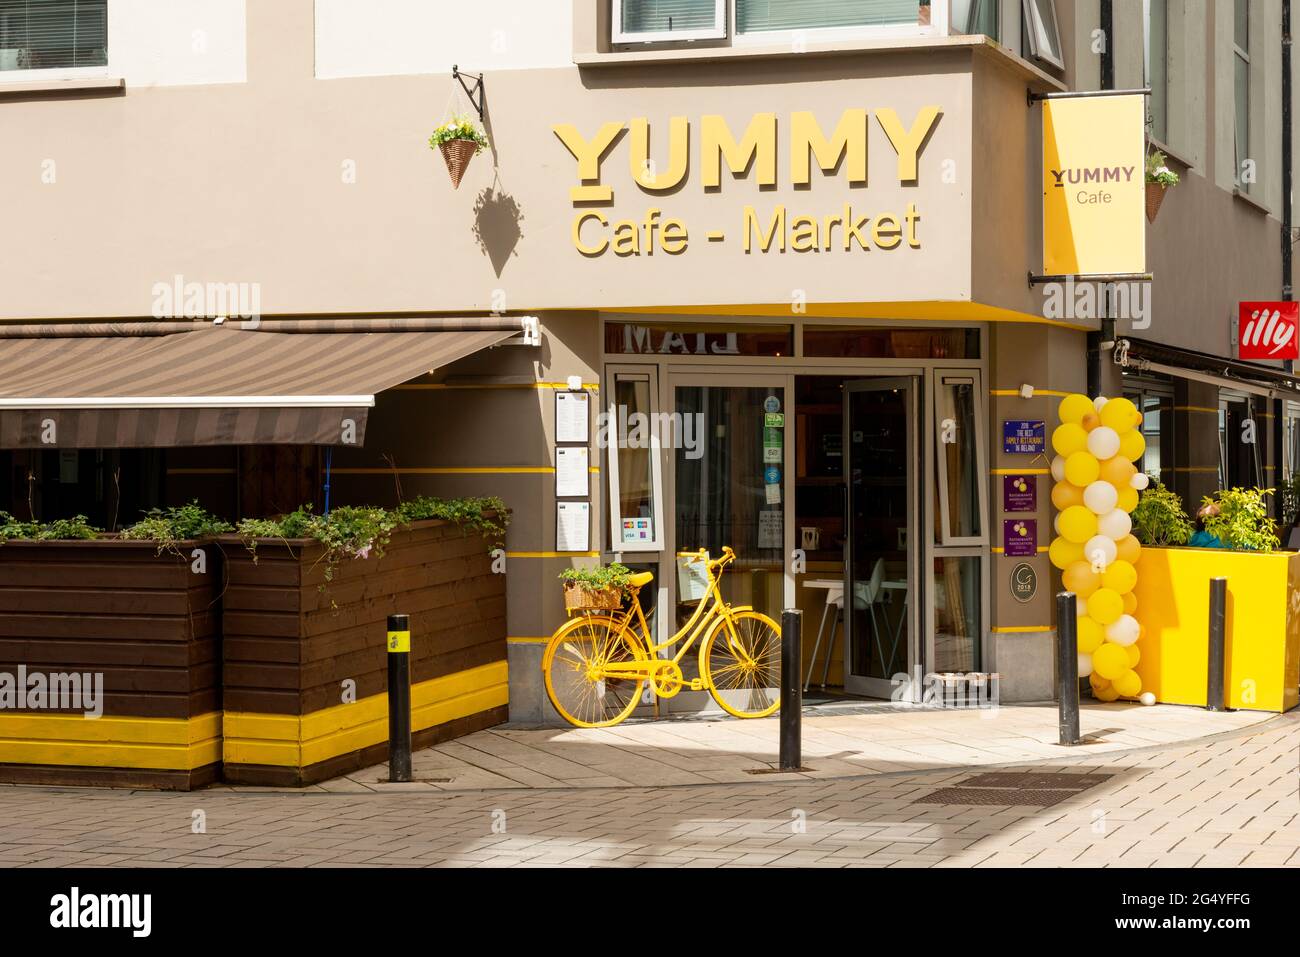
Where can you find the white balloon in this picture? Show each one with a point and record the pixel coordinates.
(1056, 523)
(1147, 698)
(1085, 665)
(1098, 402)
(1100, 497)
(1058, 469)
(1099, 552)
(1103, 442)
(1081, 606)
(1115, 524)
(1123, 631)
(1139, 481)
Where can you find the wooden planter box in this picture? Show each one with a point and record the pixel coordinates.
(1262, 654)
(305, 669)
(149, 625)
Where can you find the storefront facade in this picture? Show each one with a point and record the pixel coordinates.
(791, 281)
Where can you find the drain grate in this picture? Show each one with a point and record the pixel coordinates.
(1011, 789)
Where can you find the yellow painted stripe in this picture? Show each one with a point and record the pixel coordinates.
(529, 640)
(156, 744)
(562, 386)
(461, 470)
(1017, 629)
(552, 554)
(930, 310)
(1209, 469)
(1020, 471)
(299, 741)
(202, 471)
(1037, 392)
(1195, 408)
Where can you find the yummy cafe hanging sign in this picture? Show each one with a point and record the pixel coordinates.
(752, 153)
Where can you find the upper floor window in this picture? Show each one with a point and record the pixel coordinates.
(645, 21)
(649, 20)
(1241, 88)
(1042, 38)
(53, 34)
(976, 16)
(1156, 59)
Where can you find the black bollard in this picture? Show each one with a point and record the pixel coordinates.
(1214, 671)
(1067, 667)
(399, 698)
(791, 690)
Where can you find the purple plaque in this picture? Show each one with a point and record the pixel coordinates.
(1024, 436)
(1019, 493)
(1019, 537)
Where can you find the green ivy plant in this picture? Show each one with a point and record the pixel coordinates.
(62, 529)
(1241, 519)
(459, 127)
(1289, 491)
(171, 526)
(1159, 518)
(613, 576)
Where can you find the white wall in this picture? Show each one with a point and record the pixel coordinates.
(395, 37)
(177, 42)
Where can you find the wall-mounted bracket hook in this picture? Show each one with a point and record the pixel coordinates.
(475, 93)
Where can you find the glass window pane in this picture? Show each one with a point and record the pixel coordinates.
(1040, 30)
(847, 342)
(50, 34)
(636, 493)
(1157, 52)
(975, 16)
(956, 459)
(1241, 90)
(956, 613)
(757, 15)
(663, 16)
(714, 341)
(1241, 23)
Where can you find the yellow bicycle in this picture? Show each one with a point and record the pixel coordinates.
(596, 665)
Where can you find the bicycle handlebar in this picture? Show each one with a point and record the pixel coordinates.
(728, 555)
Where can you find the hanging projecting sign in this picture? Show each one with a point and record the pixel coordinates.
(1094, 185)
(1268, 330)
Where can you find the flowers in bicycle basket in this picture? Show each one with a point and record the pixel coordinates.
(597, 587)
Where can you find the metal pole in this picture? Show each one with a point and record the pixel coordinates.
(1106, 334)
(1067, 668)
(791, 690)
(1214, 679)
(399, 698)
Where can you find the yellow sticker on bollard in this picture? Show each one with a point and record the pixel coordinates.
(399, 641)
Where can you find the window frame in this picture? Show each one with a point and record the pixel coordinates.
(633, 372)
(1242, 54)
(67, 72)
(1149, 7)
(1034, 22)
(939, 378)
(965, 30)
(718, 31)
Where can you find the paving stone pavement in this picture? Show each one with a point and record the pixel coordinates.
(1226, 801)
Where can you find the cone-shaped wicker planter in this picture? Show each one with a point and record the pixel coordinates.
(1155, 196)
(458, 153)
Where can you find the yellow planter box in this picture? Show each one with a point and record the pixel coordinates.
(1262, 657)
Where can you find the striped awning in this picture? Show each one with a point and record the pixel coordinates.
(166, 384)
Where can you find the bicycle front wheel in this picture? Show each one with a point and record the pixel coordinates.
(574, 667)
(741, 664)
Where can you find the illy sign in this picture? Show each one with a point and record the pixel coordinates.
(1268, 330)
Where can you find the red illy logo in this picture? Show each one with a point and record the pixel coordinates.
(1268, 330)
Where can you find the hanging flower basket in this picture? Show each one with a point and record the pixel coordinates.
(1159, 177)
(459, 139)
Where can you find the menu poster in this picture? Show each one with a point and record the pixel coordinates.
(572, 527)
(572, 416)
(571, 475)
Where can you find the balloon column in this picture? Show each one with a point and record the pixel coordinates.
(1096, 488)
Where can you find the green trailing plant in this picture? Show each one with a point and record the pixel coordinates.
(175, 524)
(613, 576)
(487, 515)
(459, 127)
(1289, 491)
(1239, 518)
(1158, 171)
(61, 529)
(1160, 519)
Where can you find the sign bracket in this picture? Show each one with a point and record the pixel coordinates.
(1031, 97)
(1038, 280)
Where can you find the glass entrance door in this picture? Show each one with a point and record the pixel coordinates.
(880, 473)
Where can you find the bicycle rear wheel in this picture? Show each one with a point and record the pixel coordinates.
(743, 670)
(573, 667)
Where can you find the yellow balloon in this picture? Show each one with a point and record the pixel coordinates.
(1063, 553)
(1110, 661)
(1078, 524)
(1065, 494)
(1134, 655)
(1081, 468)
(1128, 685)
(1097, 682)
(1105, 694)
(1074, 407)
(1105, 606)
(1128, 499)
(1130, 606)
(1117, 470)
(1128, 548)
(1119, 414)
(1069, 438)
(1131, 445)
(1119, 577)
(1090, 421)
(1081, 579)
(1090, 635)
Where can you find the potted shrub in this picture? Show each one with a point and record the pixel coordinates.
(304, 616)
(460, 139)
(600, 588)
(1159, 518)
(1238, 518)
(1159, 177)
(134, 614)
